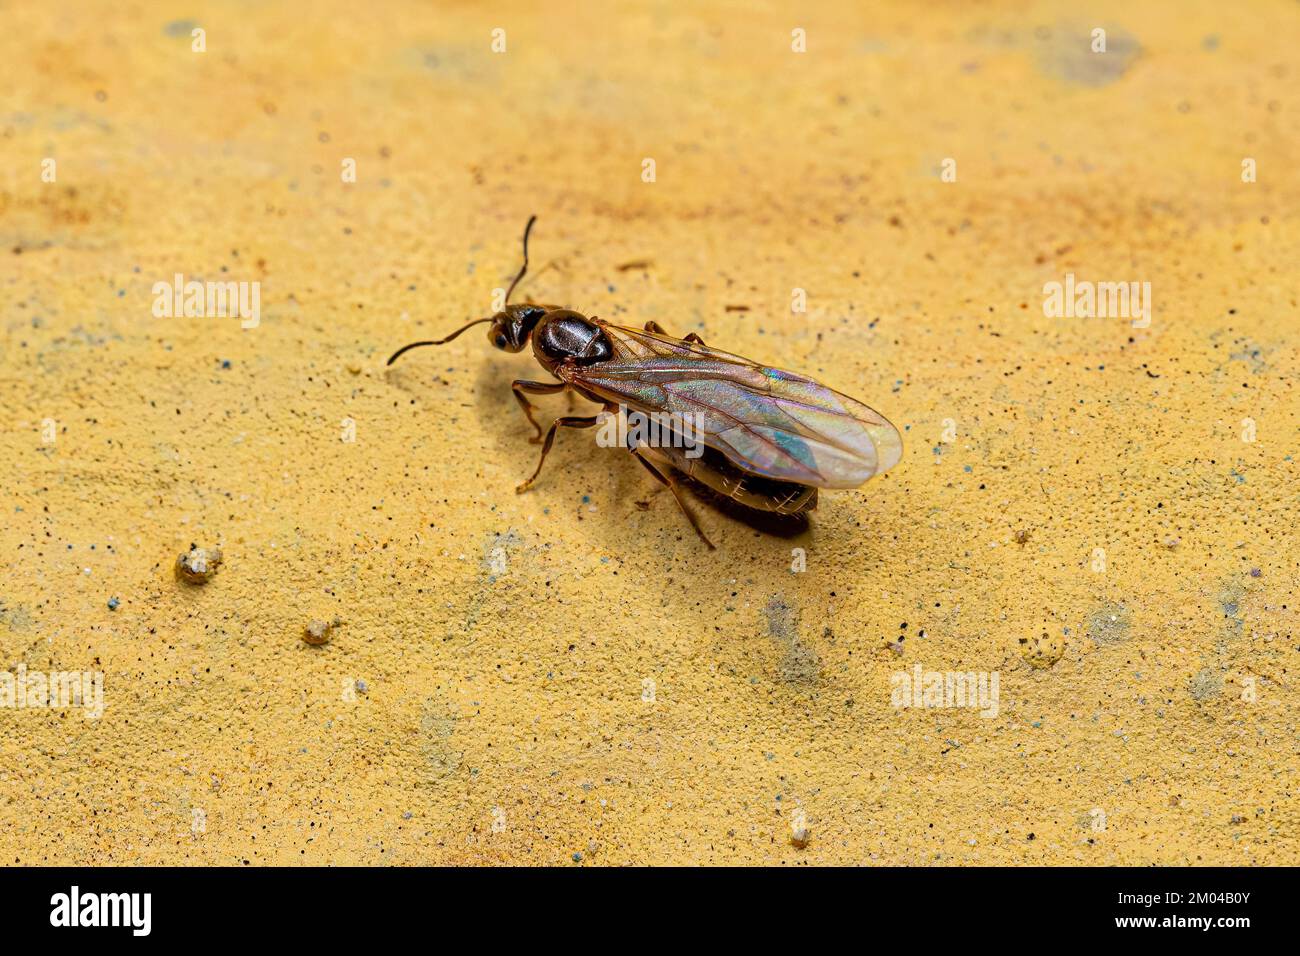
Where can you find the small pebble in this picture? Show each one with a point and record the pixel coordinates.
(318, 632)
(113, 602)
(801, 837)
(197, 565)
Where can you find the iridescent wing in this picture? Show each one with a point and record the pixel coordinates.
(766, 421)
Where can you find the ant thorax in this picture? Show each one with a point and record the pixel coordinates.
(569, 337)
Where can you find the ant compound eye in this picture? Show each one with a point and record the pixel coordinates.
(500, 340)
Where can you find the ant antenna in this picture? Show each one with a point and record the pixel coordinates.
(524, 268)
(416, 345)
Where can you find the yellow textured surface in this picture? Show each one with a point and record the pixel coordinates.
(504, 640)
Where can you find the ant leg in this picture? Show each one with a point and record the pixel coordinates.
(657, 329)
(673, 487)
(566, 422)
(534, 388)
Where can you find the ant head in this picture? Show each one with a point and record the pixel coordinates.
(511, 326)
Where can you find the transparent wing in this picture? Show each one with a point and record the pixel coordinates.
(770, 422)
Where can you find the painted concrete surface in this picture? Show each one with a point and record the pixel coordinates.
(1099, 512)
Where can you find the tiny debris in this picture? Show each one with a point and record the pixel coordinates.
(319, 632)
(197, 565)
(1022, 536)
(113, 603)
(800, 837)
